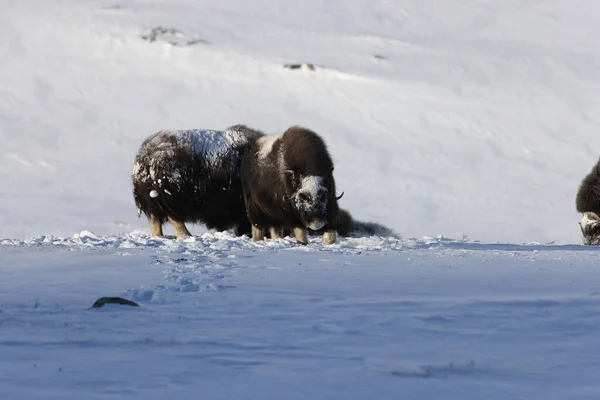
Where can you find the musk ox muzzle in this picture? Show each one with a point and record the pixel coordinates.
(590, 228)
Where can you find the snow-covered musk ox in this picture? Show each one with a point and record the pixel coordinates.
(192, 176)
(588, 204)
(288, 182)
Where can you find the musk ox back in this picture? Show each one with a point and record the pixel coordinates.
(192, 176)
(588, 204)
(288, 182)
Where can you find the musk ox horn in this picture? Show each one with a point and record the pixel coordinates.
(340, 196)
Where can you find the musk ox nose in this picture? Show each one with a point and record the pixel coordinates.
(316, 224)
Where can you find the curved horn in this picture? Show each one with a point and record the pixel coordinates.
(340, 196)
(291, 197)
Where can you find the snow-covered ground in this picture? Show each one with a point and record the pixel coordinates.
(473, 120)
(223, 318)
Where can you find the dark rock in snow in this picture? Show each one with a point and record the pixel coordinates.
(113, 300)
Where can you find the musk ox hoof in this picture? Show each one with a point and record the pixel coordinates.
(301, 235)
(590, 228)
(329, 238)
(113, 300)
(257, 234)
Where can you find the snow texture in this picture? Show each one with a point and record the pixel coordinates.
(209, 145)
(230, 318)
(159, 161)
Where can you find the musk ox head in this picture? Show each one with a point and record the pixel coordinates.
(590, 228)
(310, 197)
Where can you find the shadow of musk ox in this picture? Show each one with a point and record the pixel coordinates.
(192, 176)
(288, 182)
(588, 204)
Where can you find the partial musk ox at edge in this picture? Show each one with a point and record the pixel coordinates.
(288, 182)
(192, 176)
(588, 204)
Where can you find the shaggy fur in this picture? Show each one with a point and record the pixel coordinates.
(192, 176)
(347, 226)
(288, 182)
(588, 203)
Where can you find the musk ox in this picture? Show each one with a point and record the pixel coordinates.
(349, 227)
(588, 204)
(288, 182)
(192, 176)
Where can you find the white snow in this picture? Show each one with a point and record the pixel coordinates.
(311, 184)
(472, 120)
(229, 318)
(210, 144)
(159, 151)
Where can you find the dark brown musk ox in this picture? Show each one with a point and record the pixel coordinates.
(588, 204)
(288, 181)
(348, 226)
(192, 176)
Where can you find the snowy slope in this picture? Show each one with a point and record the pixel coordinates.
(445, 118)
(476, 117)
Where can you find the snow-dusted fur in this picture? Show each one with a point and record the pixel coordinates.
(192, 176)
(590, 228)
(288, 182)
(347, 226)
(588, 203)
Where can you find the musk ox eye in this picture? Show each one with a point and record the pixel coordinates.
(323, 196)
(303, 197)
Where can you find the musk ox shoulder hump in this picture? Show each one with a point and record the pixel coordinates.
(265, 145)
(240, 135)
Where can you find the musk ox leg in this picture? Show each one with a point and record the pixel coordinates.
(301, 235)
(180, 228)
(155, 226)
(276, 233)
(330, 237)
(257, 234)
